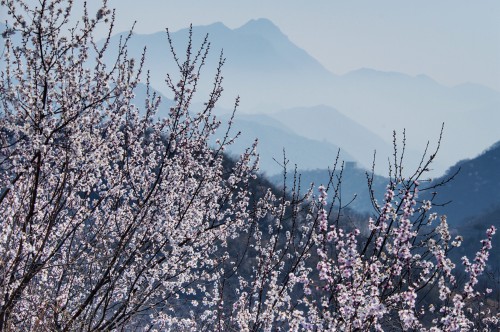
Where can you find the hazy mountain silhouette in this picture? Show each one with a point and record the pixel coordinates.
(354, 191)
(275, 139)
(326, 123)
(474, 191)
(384, 101)
(262, 65)
(270, 73)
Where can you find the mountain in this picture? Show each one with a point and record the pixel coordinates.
(141, 94)
(474, 204)
(354, 189)
(270, 73)
(383, 101)
(474, 191)
(275, 139)
(471, 202)
(262, 64)
(467, 194)
(325, 123)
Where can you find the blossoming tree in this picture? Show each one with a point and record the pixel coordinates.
(107, 215)
(115, 220)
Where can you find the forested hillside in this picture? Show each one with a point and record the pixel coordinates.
(474, 189)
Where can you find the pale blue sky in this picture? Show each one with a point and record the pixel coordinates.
(453, 41)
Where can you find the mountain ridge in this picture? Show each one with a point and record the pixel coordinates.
(270, 73)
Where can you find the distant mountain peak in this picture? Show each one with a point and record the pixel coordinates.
(216, 27)
(260, 26)
(474, 86)
(370, 72)
(424, 77)
(260, 22)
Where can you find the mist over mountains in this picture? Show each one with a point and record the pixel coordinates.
(327, 124)
(275, 77)
(280, 146)
(291, 103)
(470, 200)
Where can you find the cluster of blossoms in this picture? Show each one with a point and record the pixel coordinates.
(115, 220)
(345, 281)
(355, 289)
